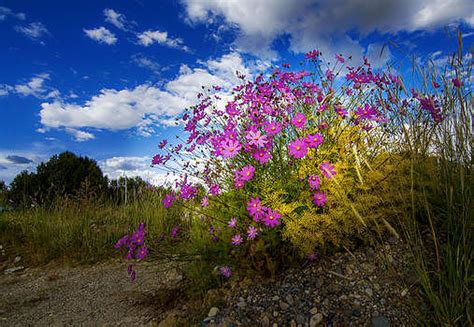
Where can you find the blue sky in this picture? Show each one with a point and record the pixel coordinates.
(106, 78)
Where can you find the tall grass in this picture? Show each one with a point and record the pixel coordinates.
(79, 231)
(439, 227)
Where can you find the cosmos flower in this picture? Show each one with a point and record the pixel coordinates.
(311, 54)
(204, 202)
(141, 253)
(319, 199)
(225, 271)
(298, 149)
(246, 173)
(230, 148)
(314, 182)
(262, 156)
(314, 140)
(327, 169)
(162, 144)
(298, 120)
(251, 232)
(237, 239)
(256, 139)
(272, 128)
(253, 205)
(168, 201)
(232, 223)
(174, 232)
(271, 218)
(215, 189)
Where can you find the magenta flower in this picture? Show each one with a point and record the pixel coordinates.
(174, 232)
(141, 253)
(215, 189)
(271, 218)
(121, 241)
(232, 223)
(204, 202)
(341, 111)
(168, 201)
(272, 128)
(159, 159)
(239, 183)
(237, 239)
(252, 232)
(262, 156)
(230, 148)
(327, 169)
(225, 271)
(314, 140)
(456, 82)
(162, 144)
(246, 173)
(299, 120)
(311, 54)
(253, 205)
(188, 191)
(314, 182)
(339, 58)
(298, 149)
(256, 139)
(319, 199)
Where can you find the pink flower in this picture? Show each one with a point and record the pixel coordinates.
(237, 239)
(339, 58)
(253, 205)
(314, 182)
(162, 144)
(238, 183)
(225, 271)
(232, 223)
(168, 201)
(271, 218)
(299, 120)
(246, 173)
(272, 128)
(327, 169)
(255, 138)
(252, 232)
(262, 156)
(311, 54)
(314, 140)
(174, 232)
(319, 198)
(456, 82)
(298, 148)
(215, 189)
(230, 148)
(204, 202)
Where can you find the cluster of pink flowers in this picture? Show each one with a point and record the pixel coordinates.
(135, 245)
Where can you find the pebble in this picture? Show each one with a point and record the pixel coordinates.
(316, 320)
(313, 310)
(369, 291)
(13, 270)
(275, 298)
(213, 312)
(284, 306)
(380, 321)
(289, 299)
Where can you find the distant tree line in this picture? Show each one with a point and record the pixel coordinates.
(67, 175)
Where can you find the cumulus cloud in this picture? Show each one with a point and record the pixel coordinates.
(80, 136)
(150, 37)
(146, 105)
(317, 23)
(145, 62)
(36, 87)
(101, 35)
(7, 12)
(34, 31)
(115, 18)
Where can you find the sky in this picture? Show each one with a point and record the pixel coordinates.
(106, 79)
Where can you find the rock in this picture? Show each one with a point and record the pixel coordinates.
(213, 312)
(289, 299)
(300, 319)
(275, 325)
(316, 320)
(284, 306)
(265, 321)
(380, 321)
(17, 259)
(313, 311)
(293, 323)
(13, 270)
(275, 314)
(356, 313)
(169, 321)
(275, 298)
(369, 291)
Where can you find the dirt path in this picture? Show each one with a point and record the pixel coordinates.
(97, 295)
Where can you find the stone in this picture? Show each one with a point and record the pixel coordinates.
(265, 321)
(275, 314)
(275, 324)
(369, 291)
(17, 259)
(380, 321)
(169, 321)
(316, 320)
(313, 311)
(213, 312)
(275, 298)
(293, 323)
(289, 299)
(284, 306)
(300, 319)
(13, 270)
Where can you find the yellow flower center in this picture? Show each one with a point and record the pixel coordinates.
(298, 148)
(299, 120)
(261, 154)
(273, 128)
(248, 173)
(231, 149)
(271, 217)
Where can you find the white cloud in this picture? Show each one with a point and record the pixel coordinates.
(5, 89)
(35, 87)
(145, 62)
(116, 167)
(7, 12)
(144, 106)
(34, 31)
(80, 136)
(378, 54)
(323, 24)
(149, 37)
(101, 35)
(115, 18)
